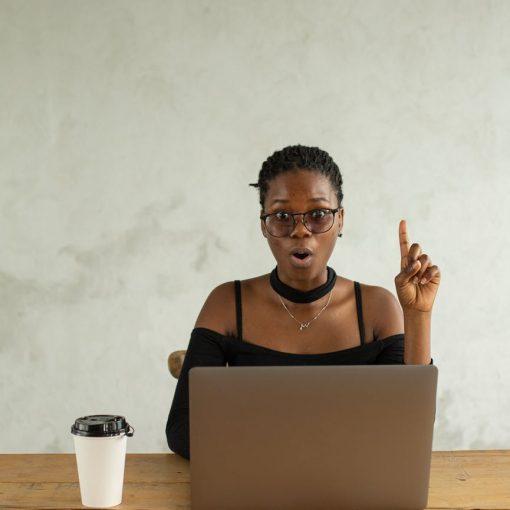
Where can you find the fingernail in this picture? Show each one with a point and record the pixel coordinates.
(423, 280)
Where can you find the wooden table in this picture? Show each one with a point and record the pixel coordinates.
(459, 479)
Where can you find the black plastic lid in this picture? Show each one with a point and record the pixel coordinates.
(102, 425)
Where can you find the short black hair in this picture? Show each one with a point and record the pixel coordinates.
(294, 157)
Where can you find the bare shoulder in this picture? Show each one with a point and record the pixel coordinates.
(218, 310)
(384, 310)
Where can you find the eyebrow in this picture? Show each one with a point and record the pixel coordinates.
(316, 199)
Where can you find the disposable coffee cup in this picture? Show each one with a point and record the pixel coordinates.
(100, 444)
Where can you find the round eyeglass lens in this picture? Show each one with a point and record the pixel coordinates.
(281, 224)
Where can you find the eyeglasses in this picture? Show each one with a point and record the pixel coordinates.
(282, 223)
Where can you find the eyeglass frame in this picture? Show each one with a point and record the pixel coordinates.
(264, 216)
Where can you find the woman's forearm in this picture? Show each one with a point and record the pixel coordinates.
(177, 432)
(417, 337)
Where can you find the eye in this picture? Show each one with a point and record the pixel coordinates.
(282, 215)
(319, 213)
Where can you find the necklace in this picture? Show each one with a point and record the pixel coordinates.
(303, 325)
(302, 296)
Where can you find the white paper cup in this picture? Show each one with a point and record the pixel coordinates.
(100, 445)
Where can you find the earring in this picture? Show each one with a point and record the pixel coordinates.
(340, 235)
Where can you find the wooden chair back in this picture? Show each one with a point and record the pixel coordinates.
(175, 361)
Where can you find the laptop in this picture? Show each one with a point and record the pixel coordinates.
(355, 437)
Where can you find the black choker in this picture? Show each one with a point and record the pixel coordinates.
(302, 296)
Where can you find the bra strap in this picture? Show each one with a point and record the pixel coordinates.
(239, 315)
(357, 290)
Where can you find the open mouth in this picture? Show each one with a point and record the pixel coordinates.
(301, 254)
(301, 257)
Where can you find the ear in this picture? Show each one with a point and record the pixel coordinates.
(341, 217)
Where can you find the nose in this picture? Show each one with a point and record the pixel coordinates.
(299, 226)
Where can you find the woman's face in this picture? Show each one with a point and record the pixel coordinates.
(300, 191)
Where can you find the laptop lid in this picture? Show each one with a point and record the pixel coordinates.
(302, 437)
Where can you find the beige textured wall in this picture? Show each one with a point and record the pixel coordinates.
(130, 131)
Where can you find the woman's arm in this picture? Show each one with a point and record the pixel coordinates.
(205, 348)
(417, 338)
(417, 285)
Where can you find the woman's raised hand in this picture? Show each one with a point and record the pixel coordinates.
(415, 267)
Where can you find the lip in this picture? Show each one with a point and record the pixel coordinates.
(303, 249)
(298, 263)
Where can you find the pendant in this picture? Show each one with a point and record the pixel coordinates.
(303, 325)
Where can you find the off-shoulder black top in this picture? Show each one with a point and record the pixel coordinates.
(210, 348)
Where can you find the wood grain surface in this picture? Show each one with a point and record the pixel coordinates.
(473, 479)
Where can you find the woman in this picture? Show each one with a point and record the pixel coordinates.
(303, 313)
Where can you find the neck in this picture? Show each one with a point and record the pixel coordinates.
(303, 290)
(304, 282)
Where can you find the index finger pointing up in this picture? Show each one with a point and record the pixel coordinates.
(403, 239)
